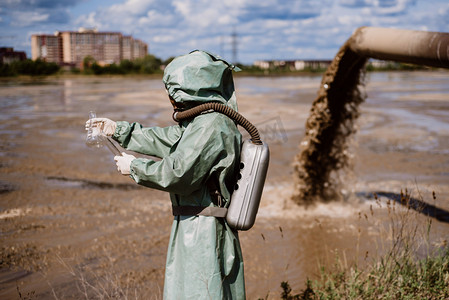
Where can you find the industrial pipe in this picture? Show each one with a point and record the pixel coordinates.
(409, 46)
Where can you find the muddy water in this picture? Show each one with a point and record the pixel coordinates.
(67, 218)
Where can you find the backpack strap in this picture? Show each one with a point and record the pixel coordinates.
(210, 211)
(214, 191)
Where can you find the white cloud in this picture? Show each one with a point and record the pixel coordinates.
(131, 7)
(444, 11)
(27, 18)
(277, 24)
(89, 21)
(399, 8)
(182, 7)
(203, 13)
(163, 39)
(154, 18)
(350, 20)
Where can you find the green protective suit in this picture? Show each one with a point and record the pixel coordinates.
(204, 259)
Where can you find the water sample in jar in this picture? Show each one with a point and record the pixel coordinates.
(95, 137)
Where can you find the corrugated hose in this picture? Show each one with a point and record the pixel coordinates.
(221, 108)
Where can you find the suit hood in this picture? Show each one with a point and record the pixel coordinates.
(200, 77)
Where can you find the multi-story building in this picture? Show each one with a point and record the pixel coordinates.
(133, 48)
(128, 47)
(104, 47)
(292, 65)
(70, 47)
(8, 55)
(140, 49)
(46, 47)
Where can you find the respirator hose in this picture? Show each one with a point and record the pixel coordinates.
(226, 110)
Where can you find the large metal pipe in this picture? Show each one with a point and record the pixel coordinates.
(409, 46)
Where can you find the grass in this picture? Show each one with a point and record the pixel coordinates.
(399, 277)
(101, 277)
(409, 267)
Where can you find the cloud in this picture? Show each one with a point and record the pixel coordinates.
(130, 16)
(38, 16)
(435, 19)
(393, 8)
(27, 18)
(353, 3)
(380, 7)
(443, 15)
(288, 10)
(156, 19)
(34, 4)
(88, 21)
(27, 13)
(203, 14)
(131, 8)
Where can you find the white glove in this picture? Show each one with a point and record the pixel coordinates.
(106, 125)
(123, 163)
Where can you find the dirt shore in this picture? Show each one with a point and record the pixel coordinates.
(72, 227)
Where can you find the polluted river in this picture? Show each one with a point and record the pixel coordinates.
(73, 228)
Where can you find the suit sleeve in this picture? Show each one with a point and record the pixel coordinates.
(154, 141)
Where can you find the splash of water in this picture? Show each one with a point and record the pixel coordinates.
(330, 125)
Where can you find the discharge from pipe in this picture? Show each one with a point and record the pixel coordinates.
(325, 154)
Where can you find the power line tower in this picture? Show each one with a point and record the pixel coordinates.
(234, 46)
(222, 54)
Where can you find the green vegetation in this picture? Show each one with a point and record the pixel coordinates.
(400, 273)
(149, 64)
(276, 70)
(28, 67)
(394, 66)
(399, 277)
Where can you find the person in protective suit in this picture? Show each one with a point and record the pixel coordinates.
(204, 258)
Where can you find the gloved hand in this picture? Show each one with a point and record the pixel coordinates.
(123, 163)
(106, 125)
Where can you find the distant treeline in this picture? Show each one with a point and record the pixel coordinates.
(149, 64)
(28, 67)
(395, 66)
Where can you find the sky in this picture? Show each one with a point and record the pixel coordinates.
(262, 29)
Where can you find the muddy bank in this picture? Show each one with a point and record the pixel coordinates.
(67, 217)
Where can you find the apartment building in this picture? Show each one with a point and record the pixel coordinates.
(140, 49)
(46, 47)
(292, 65)
(128, 47)
(70, 47)
(8, 55)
